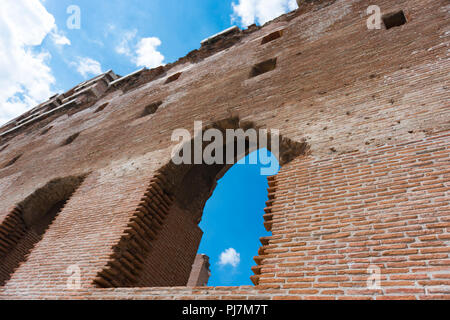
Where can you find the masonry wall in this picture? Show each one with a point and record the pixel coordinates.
(14, 257)
(335, 218)
(373, 190)
(200, 272)
(173, 253)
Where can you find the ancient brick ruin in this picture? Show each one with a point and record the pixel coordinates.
(200, 272)
(86, 178)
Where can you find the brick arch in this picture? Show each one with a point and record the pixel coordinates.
(161, 240)
(25, 226)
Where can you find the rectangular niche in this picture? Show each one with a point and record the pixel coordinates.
(273, 36)
(394, 19)
(263, 67)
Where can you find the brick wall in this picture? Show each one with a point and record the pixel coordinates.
(388, 207)
(200, 272)
(373, 190)
(172, 255)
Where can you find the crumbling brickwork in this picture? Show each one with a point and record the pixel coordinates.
(200, 272)
(365, 120)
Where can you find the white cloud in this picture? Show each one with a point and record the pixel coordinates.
(142, 52)
(231, 257)
(147, 55)
(248, 12)
(87, 66)
(124, 46)
(59, 38)
(26, 79)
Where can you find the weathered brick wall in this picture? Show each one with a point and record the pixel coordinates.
(200, 272)
(180, 237)
(82, 234)
(387, 207)
(372, 106)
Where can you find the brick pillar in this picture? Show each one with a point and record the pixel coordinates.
(200, 272)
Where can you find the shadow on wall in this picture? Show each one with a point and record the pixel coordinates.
(25, 226)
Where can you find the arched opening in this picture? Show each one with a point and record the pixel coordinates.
(232, 224)
(163, 236)
(25, 226)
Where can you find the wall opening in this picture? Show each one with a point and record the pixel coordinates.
(150, 109)
(394, 19)
(25, 226)
(46, 130)
(101, 108)
(70, 139)
(162, 238)
(173, 77)
(273, 36)
(233, 222)
(263, 67)
(12, 161)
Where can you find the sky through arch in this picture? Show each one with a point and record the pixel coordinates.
(232, 223)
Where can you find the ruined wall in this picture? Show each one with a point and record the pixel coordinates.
(181, 237)
(200, 272)
(372, 190)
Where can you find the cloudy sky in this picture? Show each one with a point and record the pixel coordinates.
(41, 53)
(49, 46)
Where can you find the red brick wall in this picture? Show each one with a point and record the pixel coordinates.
(368, 103)
(173, 253)
(83, 233)
(16, 254)
(387, 207)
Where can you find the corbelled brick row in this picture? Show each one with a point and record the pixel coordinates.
(268, 222)
(27, 223)
(128, 258)
(364, 184)
(12, 231)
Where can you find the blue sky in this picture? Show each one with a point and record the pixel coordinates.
(233, 222)
(41, 54)
(105, 25)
